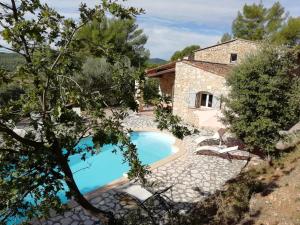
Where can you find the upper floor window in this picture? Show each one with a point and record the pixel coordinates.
(233, 58)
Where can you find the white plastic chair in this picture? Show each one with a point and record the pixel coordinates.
(142, 195)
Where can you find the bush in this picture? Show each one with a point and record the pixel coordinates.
(264, 97)
(151, 90)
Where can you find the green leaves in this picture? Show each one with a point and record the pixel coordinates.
(178, 55)
(34, 158)
(256, 22)
(290, 33)
(226, 37)
(120, 11)
(261, 101)
(167, 121)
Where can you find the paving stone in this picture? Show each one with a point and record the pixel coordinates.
(75, 223)
(75, 217)
(66, 221)
(88, 222)
(185, 174)
(68, 214)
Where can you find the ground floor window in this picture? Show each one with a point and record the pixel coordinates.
(204, 99)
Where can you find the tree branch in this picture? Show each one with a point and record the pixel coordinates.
(9, 150)
(55, 63)
(66, 45)
(72, 81)
(15, 14)
(13, 50)
(5, 6)
(28, 142)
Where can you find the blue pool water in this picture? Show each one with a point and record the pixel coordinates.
(106, 166)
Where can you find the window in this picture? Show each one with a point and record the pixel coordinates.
(204, 99)
(233, 57)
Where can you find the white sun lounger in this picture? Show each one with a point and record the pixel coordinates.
(200, 139)
(137, 191)
(141, 195)
(217, 149)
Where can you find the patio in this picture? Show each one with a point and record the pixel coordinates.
(193, 177)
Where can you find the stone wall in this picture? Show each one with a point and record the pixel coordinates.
(221, 53)
(166, 83)
(190, 80)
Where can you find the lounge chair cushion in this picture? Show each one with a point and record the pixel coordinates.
(137, 191)
(203, 138)
(217, 149)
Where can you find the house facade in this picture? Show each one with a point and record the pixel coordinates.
(197, 85)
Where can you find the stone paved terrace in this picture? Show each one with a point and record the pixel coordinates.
(192, 176)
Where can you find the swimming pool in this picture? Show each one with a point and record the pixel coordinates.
(105, 167)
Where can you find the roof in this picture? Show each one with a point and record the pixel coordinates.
(160, 70)
(169, 68)
(219, 69)
(226, 42)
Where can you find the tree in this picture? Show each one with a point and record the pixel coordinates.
(151, 90)
(275, 18)
(185, 52)
(122, 36)
(10, 61)
(8, 91)
(256, 22)
(289, 34)
(264, 97)
(98, 75)
(36, 164)
(226, 37)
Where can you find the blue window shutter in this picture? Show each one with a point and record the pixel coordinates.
(192, 100)
(216, 102)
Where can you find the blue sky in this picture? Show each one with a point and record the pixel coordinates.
(173, 24)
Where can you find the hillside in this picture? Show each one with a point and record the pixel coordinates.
(279, 201)
(10, 61)
(156, 61)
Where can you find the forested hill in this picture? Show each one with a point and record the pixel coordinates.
(10, 61)
(156, 61)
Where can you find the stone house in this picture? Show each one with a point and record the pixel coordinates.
(197, 84)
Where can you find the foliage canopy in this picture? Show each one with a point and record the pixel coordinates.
(256, 22)
(185, 52)
(226, 37)
(36, 163)
(264, 97)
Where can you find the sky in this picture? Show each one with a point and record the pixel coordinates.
(174, 24)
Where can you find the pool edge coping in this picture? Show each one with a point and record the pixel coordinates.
(123, 180)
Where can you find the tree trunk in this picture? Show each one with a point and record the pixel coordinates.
(105, 217)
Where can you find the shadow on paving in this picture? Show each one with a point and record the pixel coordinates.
(226, 207)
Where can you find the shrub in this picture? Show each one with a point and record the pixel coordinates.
(264, 97)
(151, 90)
